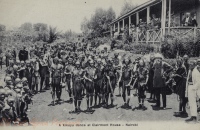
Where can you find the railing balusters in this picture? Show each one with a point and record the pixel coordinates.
(195, 34)
(137, 36)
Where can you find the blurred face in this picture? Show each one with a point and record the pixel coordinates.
(178, 64)
(42, 56)
(11, 63)
(2, 97)
(11, 103)
(141, 64)
(99, 62)
(158, 60)
(28, 64)
(185, 59)
(25, 83)
(70, 61)
(56, 62)
(152, 61)
(17, 63)
(9, 82)
(77, 65)
(191, 65)
(92, 64)
(126, 61)
(22, 64)
(83, 58)
(198, 63)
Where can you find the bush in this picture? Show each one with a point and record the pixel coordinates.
(178, 46)
(138, 48)
(173, 47)
(127, 47)
(119, 45)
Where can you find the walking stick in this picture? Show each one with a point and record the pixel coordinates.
(112, 91)
(134, 85)
(110, 85)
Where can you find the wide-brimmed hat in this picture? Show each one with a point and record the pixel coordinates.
(158, 56)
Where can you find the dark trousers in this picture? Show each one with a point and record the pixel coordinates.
(69, 88)
(57, 88)
(182, 103)
(30, 83)
(1, 62)
(44, 80)
(7, 61)
(159, 91)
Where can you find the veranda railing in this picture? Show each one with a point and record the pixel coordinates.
(192, 33)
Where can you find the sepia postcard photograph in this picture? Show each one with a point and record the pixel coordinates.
(100, 64)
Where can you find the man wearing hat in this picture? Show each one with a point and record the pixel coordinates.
(187, 21)
(150, 81)
(185, 62)
(13, 53)
(23, 54)
(9, 112)
(2, 104)
(8, 81)
(193, 90)
(8, 56)
(22, 70)
(161, 69)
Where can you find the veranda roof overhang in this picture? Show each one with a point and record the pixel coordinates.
(136, 9)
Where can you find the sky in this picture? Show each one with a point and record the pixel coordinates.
(63, 14)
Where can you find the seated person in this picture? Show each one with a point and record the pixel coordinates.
(187, 21)
(156, 23)
(142, 26)
(194, 21)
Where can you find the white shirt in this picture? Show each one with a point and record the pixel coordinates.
(187, 20)
(196, 78)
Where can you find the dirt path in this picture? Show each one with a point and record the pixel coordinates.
(42, 112)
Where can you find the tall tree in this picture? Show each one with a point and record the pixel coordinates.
(70, 35)
(85, 26)
(53, 34)
(2, 28)
(41, 30)
(128, 6)
(40, 27)
(98, 22)
(26, 27)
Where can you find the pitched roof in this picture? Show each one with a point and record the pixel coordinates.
(136, 9)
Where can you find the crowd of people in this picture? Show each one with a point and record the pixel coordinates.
(87, 73)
